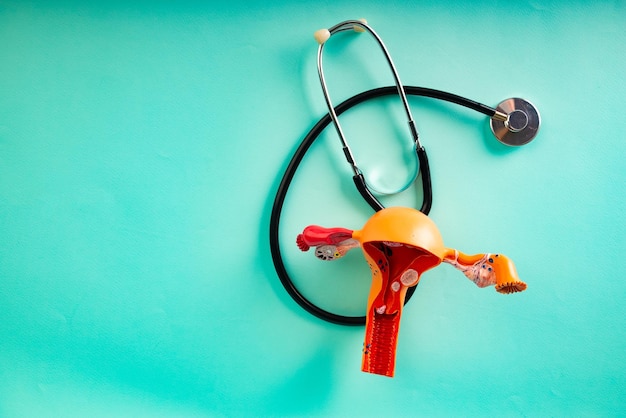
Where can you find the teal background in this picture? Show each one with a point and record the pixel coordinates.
(141, 144)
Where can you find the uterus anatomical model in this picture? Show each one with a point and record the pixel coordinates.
(399, 245)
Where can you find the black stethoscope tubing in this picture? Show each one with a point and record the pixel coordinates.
(360, 183)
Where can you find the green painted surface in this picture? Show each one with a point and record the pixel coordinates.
(140, 148)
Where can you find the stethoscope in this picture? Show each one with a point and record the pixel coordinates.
(514, 122)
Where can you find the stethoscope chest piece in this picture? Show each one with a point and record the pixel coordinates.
(521, 125)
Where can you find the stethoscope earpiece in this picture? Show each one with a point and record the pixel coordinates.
(521, 124)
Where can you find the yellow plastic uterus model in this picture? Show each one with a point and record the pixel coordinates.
(400, 244)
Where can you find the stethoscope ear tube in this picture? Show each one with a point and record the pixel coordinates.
(427, 185)
(359, 182)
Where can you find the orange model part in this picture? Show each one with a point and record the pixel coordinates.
(487, 270)
(400, 244)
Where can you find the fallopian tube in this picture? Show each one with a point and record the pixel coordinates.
(400, 244)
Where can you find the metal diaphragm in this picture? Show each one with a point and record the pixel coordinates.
(521, 125)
